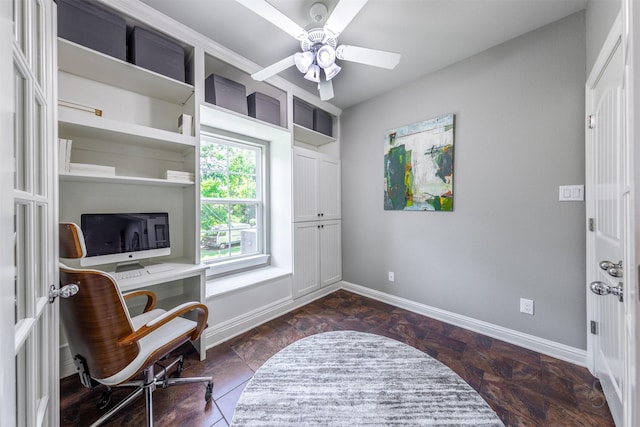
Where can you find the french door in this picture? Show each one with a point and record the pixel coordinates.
(29, 213)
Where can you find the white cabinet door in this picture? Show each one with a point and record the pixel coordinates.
(329, 188)
(317, 255)
(330, 252)
(306, 260)
(305, 185)
(316, 186)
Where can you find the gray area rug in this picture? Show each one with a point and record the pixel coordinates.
(349, 378)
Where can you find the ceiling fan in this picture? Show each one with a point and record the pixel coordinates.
(319, 46)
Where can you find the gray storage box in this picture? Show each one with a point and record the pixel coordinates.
(156, 53)
(225, 93)
(302, 113)
(264, 107)
(322, 122)
(94, 27)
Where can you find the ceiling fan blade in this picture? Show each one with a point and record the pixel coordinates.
(343, 13)
(363, 55)
(274, 69)
(325, 87)
(277, 18)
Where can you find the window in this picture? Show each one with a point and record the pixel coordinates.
(232, 204)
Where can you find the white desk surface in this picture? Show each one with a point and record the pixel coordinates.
(160, 273)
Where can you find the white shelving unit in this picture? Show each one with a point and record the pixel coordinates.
(84, 62)
(137, 134)
(85, 125)
(311, 137)
(127, 180)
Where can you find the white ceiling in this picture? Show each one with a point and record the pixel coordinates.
(430, 34)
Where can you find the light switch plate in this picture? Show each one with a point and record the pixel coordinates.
(571, 193)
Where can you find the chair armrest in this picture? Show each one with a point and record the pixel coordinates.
(151, 298)
(201, 322)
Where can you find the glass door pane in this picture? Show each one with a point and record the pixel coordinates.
(40, 169)
(40, 268)
(21, 387)
(19, 130)
(18, 23)
(21, 254)
(38, 53)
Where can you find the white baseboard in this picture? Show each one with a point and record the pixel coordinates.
(224, 331)
(531, 342)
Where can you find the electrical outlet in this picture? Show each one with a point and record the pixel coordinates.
(392, 276)
(526, 306)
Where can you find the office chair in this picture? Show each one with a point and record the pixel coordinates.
(113, 348)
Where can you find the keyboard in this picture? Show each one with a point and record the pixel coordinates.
(131, 274)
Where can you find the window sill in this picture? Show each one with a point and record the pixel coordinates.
(226, 284)
(225, 267)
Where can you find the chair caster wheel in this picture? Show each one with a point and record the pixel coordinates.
(104, 399)
(209, 392)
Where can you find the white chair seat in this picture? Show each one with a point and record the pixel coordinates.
(166, 333)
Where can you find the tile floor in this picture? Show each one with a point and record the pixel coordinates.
(525, 388)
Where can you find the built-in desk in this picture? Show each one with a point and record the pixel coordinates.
(174, 283)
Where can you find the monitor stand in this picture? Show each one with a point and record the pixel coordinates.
(128, 266)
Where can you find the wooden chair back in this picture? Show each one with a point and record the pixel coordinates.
(96, 317)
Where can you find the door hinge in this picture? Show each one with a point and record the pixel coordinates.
(591, 121)
(594, 327)
(592, 224)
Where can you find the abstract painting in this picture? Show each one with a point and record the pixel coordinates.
(418, 166)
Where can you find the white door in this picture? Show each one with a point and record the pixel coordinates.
(306, 258)
(29, 208)
(330, 252)
(605, 209)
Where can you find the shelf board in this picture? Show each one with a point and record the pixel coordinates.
(116, 179)
(310, 136)
(80, 124)
(84, 62)
(223, 119)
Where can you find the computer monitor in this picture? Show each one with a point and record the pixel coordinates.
(124, 237)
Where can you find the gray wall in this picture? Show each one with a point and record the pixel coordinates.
(599, 18)
(519, 135)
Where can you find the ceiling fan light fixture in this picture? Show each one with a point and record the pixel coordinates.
(318, 12)
(326, 56)
(313, 74)
(303, 61)
(332, 71)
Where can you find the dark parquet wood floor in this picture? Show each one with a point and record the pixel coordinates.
(525, 388)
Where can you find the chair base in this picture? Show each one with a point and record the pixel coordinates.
(147, 386)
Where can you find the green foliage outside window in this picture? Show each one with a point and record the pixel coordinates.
(228, 191)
